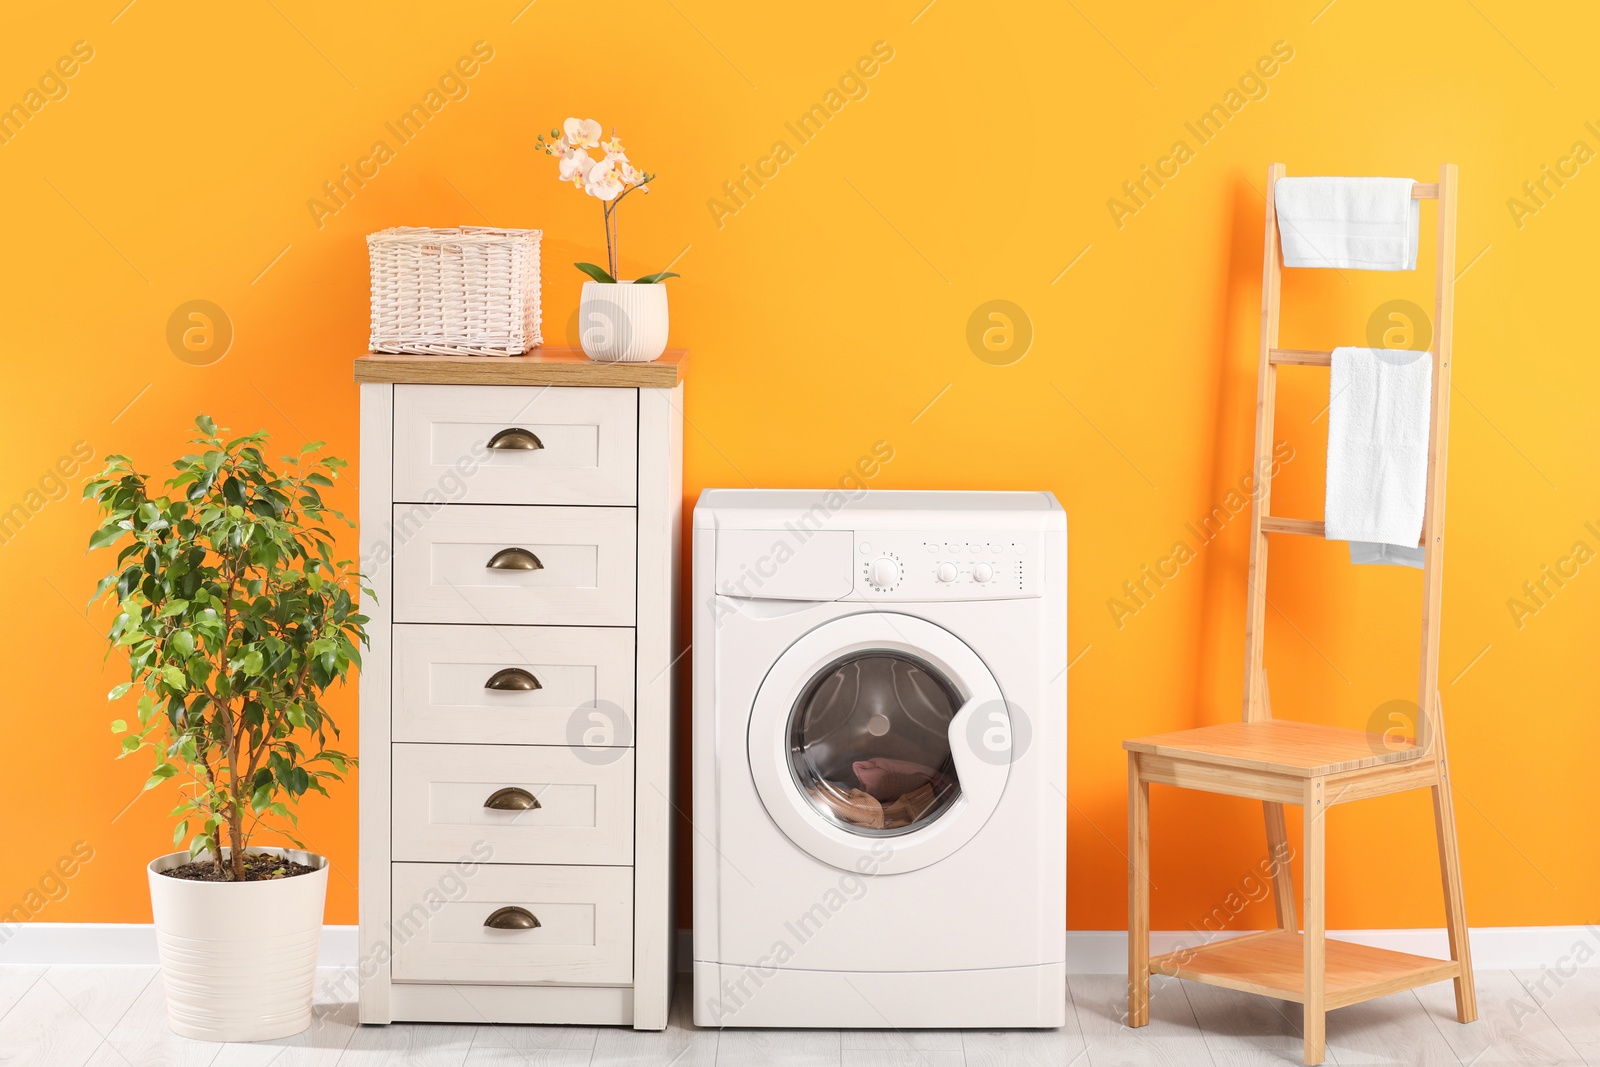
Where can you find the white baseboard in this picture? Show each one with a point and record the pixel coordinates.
(1494, 948)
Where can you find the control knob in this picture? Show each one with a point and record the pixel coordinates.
(947, 572)
(883, 573)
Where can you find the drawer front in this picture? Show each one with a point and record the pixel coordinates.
(516, 685)
(584, 932)
(459, 443)
(579, 565)
(581, 811)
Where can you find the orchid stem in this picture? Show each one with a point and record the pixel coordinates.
(611, 244)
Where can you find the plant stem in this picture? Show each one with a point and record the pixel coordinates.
(611, 254)
(215, 837)
(231, 749)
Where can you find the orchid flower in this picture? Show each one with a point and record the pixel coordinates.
(608, 179)
(575, 166)
(604, 180)
(582, 133)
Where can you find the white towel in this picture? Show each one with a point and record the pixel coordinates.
(1389, 555)
(1357, 223)
(1378, 411)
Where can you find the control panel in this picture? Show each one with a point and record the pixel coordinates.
(922, 565)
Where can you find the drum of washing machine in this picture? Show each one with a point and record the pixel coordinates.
(869, 742)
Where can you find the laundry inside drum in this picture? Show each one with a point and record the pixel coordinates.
(869, 742)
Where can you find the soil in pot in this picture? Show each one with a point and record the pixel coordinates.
(258, 867)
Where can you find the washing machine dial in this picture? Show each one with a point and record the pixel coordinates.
(982, 572)
(883, 573)
(947, 572)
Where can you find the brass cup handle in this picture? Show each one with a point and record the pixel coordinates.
(515, 439)
(512, 918)
(514, 559)
(512, 680)
(512, 798)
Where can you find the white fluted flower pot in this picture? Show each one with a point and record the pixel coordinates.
(623, 322)
(239, 959)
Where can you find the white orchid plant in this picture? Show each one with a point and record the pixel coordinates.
(608, 179)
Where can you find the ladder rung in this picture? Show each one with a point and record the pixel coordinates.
(1430, 191)
(1303, 527)
(1300, 357)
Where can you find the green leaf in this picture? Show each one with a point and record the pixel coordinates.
(104, 536)
(119, 726)
(117, 693)
(174, 678)
(652, 279)
(177, 834)
(251, 663)
(597, 273)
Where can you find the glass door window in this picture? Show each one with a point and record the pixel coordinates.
(869, 743)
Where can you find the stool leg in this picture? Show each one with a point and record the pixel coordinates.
(1444, 817)
(1138, 895)
(1313, 942)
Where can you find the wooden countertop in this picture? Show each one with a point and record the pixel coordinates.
(545, 365)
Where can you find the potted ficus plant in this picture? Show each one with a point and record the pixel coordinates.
(618, 321)
(235, 618)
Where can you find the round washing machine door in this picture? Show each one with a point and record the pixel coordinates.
(880, 743)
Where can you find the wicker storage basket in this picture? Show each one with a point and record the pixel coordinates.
(467, 291)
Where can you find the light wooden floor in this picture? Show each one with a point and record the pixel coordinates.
(115, 1017)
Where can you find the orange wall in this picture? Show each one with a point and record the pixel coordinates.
(828, 311)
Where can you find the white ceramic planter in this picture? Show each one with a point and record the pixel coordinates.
(623, 322)
(239, 959)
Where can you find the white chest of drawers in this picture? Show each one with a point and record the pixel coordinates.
(520, 524)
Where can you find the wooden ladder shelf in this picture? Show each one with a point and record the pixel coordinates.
(1280, 762)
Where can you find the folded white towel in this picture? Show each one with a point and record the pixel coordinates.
(1357, 223)
(1379, 405)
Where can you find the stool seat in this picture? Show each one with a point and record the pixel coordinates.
(1277, 746)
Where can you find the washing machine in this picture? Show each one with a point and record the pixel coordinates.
(880, 783)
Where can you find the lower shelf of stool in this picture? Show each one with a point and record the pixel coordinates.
(1271, 964)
